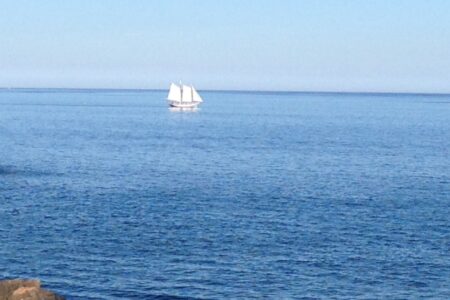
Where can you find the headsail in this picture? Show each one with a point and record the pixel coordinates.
(187, 94)
(195, 96)
(174, 93)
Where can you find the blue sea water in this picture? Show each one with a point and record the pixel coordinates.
(109, 195)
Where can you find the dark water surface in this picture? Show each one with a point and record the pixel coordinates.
(109, 195)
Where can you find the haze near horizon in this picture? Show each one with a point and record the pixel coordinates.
(293, 45)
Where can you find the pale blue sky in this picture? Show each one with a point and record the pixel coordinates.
(311, 45)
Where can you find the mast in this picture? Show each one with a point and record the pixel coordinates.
(181, 92)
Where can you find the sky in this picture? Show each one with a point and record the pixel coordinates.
(292, 45)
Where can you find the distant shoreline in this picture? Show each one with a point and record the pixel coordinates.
(83, 90)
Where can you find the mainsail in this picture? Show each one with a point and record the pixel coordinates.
(186, 96)
(174, 93)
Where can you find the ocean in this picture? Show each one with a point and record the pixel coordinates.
(110, 195)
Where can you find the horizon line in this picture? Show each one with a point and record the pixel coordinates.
(230, 90)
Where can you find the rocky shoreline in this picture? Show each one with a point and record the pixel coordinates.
(19, 289)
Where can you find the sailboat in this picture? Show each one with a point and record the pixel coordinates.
(183, 96)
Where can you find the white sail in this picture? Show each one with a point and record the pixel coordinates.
(174, 93)
(195, 96)
(186, 95)
(183, 97)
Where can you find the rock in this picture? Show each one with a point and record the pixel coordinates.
(25, 290)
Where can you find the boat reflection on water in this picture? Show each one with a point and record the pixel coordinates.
(184, 109)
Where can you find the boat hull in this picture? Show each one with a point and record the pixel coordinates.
(184, 104)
